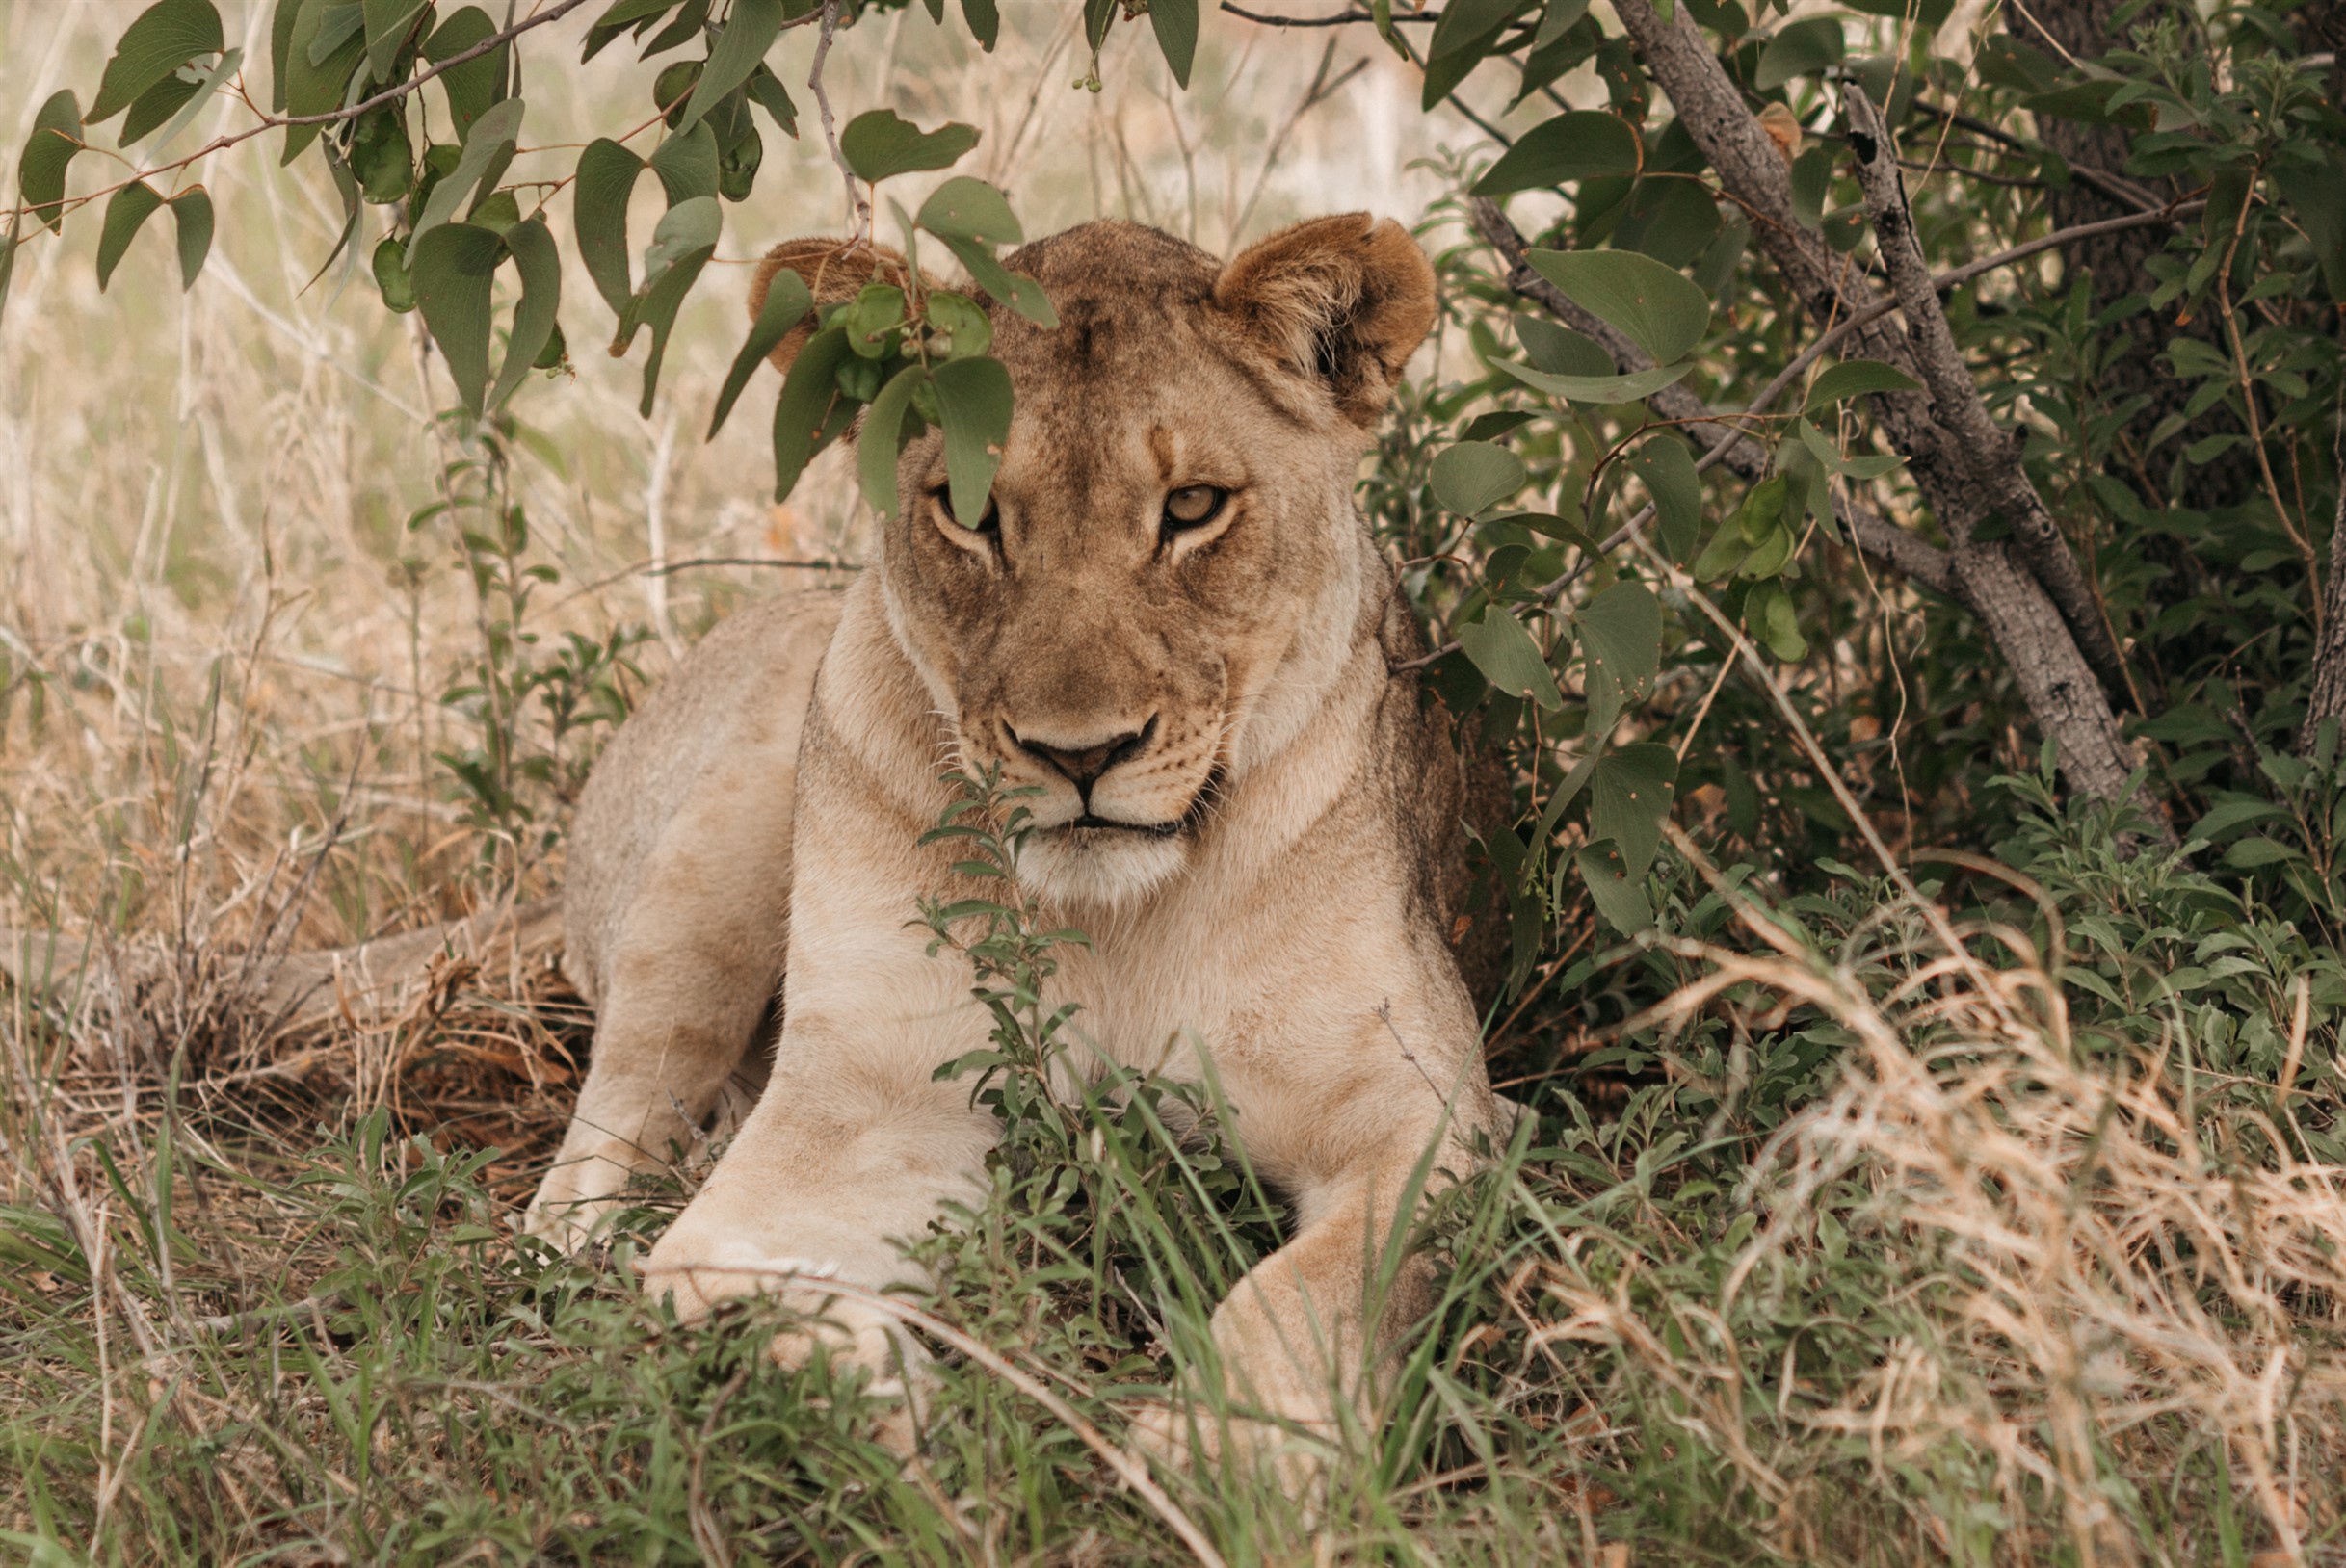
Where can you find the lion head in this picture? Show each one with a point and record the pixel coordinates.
(1172, 573)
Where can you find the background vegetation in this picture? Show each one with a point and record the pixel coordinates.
(1925, 900)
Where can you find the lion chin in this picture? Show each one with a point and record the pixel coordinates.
(1104, 868)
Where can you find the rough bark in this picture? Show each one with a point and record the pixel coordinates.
(2043, 646)
(2328, 698)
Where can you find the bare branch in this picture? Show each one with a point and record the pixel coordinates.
(1955, 396)
(1342, 18)
(858, 202)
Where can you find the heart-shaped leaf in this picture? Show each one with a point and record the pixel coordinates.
(1585, 143)
(165, 37)
(1799, 49)
(1628, 796)
(966, 209)
(1621, 632)
(1474, 476)
(129, 208)
(607, 174)
(1509, 659)
(1668, 470)
(41, 169)
(1663, 311)
(879, 145)
(453, 266)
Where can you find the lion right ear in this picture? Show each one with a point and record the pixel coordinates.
(833, 271)
(1339, 303)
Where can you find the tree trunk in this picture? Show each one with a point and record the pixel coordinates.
(2043, 648)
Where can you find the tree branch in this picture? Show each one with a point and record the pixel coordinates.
(1955, 397)
(1342, 18)
(2062, 690)
(1879, 538)
(859, 206)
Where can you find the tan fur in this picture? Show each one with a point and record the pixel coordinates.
(1281, 904)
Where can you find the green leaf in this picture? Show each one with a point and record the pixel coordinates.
(166, 36)
(973, 398)
(1022, 294)
(684, 228)
(882, 442)
(1661, 309)
(607, 173)
(1856, 377)
(314, 86)
(1629, 796)
(130, 207)
(488, 149)
(392, 280)
(538, 261)
(688, 165)
(802, 415)
(1668, 470)
(1504, 651)
(739, 49)
(142, 117)
(40, 172)
(1771, 616)
(1722, 555)
(767, 91)
(656, 307)
(1467, 23)
(967, 209)
(1474, 476)
(878, 145)
(787, 304)
(1176, 23)
(453, 266)
(1813, 183)
(473, 87)
(282, 24)
(388, 22)
(968, 330)
(1643, 384)
(1586, 143)
(985, 21)
(1621, 632)
(1559, 351)
(8, 261)
(1799, 49)
(1621, 900)
(1672, 218)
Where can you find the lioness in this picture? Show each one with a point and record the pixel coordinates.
(1174, 622)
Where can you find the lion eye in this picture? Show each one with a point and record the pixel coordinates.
(1193, 505)
(991, 523)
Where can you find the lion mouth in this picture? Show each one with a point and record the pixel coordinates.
(1160, 830)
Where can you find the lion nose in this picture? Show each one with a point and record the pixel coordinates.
(1083, 763)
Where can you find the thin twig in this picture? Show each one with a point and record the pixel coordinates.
(1342, 18)
(858, 202)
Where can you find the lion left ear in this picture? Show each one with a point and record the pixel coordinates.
(1341, 301)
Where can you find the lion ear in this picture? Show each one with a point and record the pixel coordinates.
(833, 271)
(1342, 301)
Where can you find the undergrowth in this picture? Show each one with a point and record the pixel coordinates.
(1984, 1222)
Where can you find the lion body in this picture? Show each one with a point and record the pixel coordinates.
(1252, 818)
